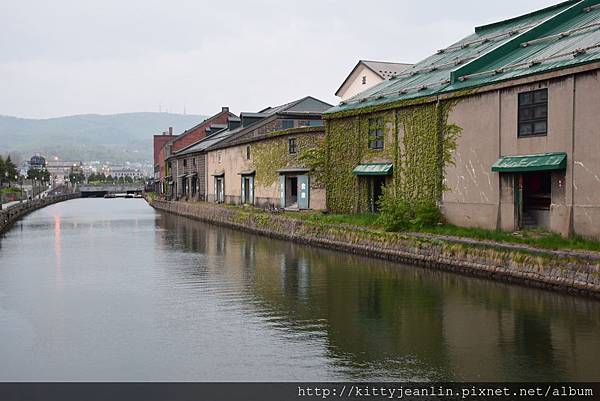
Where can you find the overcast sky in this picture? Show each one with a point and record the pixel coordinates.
(65, 57)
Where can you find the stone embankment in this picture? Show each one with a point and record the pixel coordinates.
(541, 268)
(9, 215)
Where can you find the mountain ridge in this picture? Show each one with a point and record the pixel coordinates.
(109, 137)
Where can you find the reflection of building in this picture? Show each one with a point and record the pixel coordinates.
(60, 169)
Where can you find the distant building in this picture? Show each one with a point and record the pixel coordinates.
(166, 144)
(255, 160)
(60, 169)
(37, 162)
(124, 172)
(367, 74)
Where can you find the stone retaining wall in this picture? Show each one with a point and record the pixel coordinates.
(573, 275)
(9, 216)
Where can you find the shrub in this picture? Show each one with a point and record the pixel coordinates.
(399, 214)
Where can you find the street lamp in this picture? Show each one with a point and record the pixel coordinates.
(17, 181)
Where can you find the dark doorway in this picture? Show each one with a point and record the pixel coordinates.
(247, 188)
(194, 186)
(536, 195)
(219, 190)
(376, 184)
(291, 192)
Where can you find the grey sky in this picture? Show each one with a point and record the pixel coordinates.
(64, 57)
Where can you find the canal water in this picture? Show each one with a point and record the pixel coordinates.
(109, 289)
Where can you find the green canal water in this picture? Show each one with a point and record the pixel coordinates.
(109, 289)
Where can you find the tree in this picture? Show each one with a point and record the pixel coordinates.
(10, 170)
(45, 175)
(2, 169)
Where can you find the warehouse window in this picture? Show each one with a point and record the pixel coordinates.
(533, 113)
(287, 124)
(375, 133)
(292, 146)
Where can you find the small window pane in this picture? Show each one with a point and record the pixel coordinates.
(526, 114)
(525, 129)
(541, 111)
(526, 98)
(540, 96)
(540, 128)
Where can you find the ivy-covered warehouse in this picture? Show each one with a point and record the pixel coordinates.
(499, 129)
(263, 165)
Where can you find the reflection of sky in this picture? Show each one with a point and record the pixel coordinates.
(137, 295)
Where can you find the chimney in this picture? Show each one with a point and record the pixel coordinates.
(170, 130)
(224, 109)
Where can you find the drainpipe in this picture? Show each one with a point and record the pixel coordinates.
(571, 204)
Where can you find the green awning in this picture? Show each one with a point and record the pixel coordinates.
(527, 163)
(373, 169)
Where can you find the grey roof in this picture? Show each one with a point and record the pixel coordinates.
(209, 141)
(306, 105)
(554, 38)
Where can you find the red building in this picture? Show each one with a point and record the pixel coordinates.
(166, 144)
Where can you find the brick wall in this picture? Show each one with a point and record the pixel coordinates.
(198, 132)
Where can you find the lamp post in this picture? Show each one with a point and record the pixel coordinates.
(17, 182)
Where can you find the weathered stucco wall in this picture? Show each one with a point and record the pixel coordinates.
(477, 197)
(266, 157)
(487, 122)
(473, 190)
(586, 159)
(355, 83)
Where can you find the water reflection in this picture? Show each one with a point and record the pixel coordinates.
(96, 289)
(382, 320)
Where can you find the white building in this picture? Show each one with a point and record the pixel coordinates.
(123, 172)
(60, 169)
(367, 74)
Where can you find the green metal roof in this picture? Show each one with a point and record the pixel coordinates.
(529, 163)
(373, 169)
(556, 37)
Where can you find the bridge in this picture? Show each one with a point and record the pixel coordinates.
(98, 191)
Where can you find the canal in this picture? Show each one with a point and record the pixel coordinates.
(109, 289)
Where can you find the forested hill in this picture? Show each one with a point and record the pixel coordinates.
(115, 137)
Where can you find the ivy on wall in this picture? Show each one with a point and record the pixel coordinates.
(272, 154)
(418, 141)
